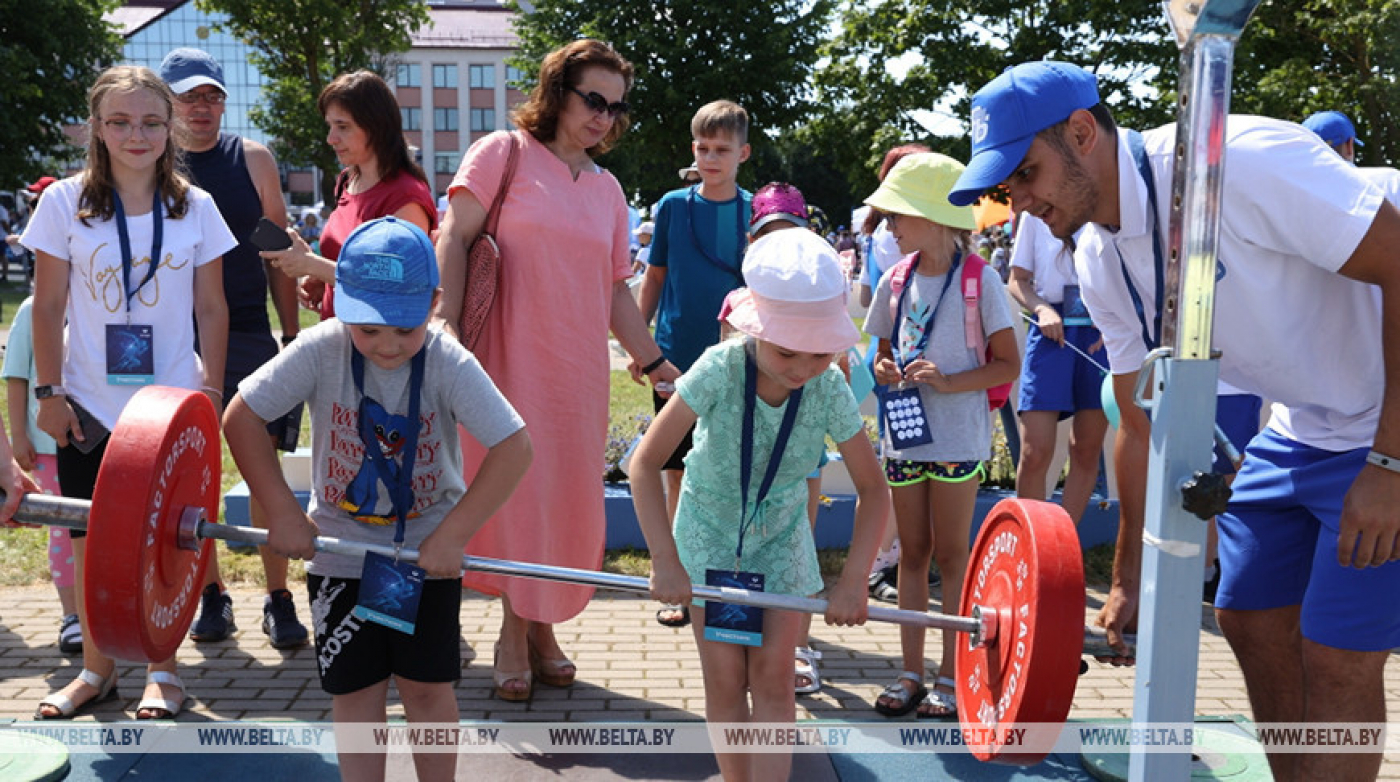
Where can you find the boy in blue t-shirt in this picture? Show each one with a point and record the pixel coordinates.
(696, 254)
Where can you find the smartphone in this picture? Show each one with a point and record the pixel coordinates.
(289, 429)
(269, 237)
(93, 430)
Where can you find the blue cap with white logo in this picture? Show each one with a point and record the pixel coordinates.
(1007, 113)
(1334, 127)
(186, 68)
(386, 275)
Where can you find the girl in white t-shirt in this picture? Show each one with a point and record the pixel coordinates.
(938, 429)
(130, 254)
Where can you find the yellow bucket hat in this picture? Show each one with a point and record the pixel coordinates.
(919, 185)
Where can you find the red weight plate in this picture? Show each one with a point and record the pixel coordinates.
(1027, 568)
(141, 588)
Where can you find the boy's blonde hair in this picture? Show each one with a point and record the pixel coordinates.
(721, 116)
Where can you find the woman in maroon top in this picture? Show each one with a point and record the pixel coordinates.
(380, 178)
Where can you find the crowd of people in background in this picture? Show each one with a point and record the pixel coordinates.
(755, 362)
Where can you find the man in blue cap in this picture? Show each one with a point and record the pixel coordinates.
(241, 175)
(1299, 317)
(1336, 129)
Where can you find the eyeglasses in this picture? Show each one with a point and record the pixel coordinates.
(598, 104)
(213, 97)
(125, 128)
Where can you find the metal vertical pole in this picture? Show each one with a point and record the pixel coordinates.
(1183, 419)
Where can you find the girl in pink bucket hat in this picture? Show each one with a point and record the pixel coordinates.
(742, 518)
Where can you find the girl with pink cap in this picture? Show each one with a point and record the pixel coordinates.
(742, 515)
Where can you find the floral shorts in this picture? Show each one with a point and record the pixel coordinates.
(904, 473)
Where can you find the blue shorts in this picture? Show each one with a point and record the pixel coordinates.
(1056, 378)
(1278, 547)
(1237, 415)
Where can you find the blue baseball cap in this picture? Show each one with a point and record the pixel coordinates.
(1007, 113)
(386, 275)
(185, 68)
(1334, 127)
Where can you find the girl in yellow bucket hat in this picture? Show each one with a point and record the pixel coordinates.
(938, 427)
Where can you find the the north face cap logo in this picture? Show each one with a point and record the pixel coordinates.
(381, 267)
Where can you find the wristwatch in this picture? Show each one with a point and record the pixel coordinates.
(44, 392)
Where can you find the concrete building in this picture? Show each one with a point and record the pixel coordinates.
(453, 86)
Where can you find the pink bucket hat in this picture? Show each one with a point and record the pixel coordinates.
(778, 201)
(796, 295)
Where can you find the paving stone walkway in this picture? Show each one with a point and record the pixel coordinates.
(630, 668)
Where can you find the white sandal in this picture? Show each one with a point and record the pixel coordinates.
(943, 705)
(805, 666)
(904, 700)
(171, 708)
(106, 690)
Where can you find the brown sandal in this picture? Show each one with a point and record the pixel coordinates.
(502, 678)
(555, 673)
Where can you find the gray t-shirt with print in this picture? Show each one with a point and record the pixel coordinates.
(960, 423)
(348, 500)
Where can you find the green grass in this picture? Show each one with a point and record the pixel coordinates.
(11, 294)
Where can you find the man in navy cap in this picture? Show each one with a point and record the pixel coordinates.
(1313, 532)
(1336, 129)
(242, 177)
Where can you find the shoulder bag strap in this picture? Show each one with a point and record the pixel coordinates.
(493, 217)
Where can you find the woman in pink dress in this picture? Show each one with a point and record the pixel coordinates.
(563, 236)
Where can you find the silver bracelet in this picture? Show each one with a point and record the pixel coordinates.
(1382, 461)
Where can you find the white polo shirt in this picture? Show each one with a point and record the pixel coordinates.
(1290, 328)
(1387, 179)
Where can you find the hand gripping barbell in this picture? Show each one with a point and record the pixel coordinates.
(149, 527)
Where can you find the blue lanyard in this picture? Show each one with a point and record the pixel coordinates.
(400, 484)
(933, 312)
(157, 234)
(775, 458)
(1153, 336)
(737, 270)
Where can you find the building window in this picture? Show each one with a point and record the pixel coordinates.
(412, 118)
(483, 120)
(445, 162)
(515, 78)
(408, 76)
(483, 77)
(445, 119)
(445, 76)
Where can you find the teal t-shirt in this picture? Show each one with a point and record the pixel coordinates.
(779, 543)
(700, 243)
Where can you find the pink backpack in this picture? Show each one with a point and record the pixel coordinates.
(972, 316)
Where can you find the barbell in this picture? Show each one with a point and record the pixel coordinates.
(153, 518)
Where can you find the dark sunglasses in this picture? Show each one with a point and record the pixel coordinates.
(598, 104)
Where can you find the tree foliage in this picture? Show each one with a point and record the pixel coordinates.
(300, 46)
(1293, 59)
(687, 53)
(50, 58)
(1300, 57)
(951, 48)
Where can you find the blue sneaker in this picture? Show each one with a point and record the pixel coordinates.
(280, 621)
(215, 622)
